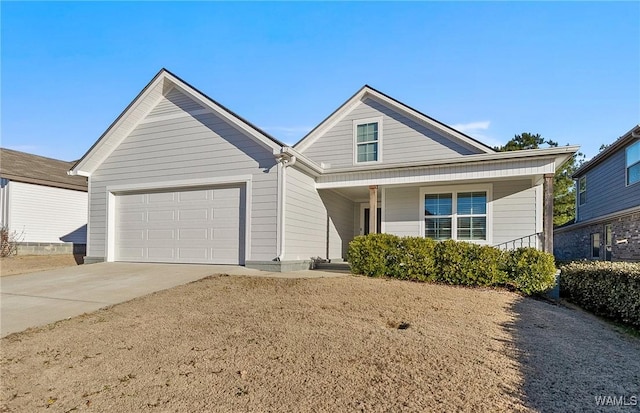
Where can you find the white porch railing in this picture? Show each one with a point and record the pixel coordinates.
(530, 241)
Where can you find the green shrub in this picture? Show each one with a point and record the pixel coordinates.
(610, 289)
(414, 259)
(464, 263)
(530, 271)
(369, 254)
(451, 262)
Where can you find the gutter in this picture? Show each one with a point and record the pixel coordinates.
(284, 160)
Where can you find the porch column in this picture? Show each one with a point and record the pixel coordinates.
(547, 219)
(373, 208)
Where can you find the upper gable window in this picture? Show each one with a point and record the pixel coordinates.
(633, 163)
(367, 140)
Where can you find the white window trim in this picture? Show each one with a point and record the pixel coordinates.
(357, 122)
(626, 168)
(580, 189)
(454, 190)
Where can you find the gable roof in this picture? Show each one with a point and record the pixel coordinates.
(34, 169)
(146, 100)
(369, 92)
(620, 143)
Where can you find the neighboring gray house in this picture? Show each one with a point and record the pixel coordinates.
(607, 224)
(41, 204)
(178, 177)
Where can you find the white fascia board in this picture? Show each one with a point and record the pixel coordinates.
(179, 184)
(558, 154)
(439, 173)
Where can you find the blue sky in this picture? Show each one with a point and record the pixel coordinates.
(569, 71)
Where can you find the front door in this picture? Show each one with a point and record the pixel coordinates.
(365, 221)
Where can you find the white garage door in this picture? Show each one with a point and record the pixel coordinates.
(187, 226)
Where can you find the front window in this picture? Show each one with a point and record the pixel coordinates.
(438, 210)
(367, 142)
(582, 190)
(456, 215)
(633, 163)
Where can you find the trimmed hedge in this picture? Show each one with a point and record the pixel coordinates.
(451, 262)
(610, 289)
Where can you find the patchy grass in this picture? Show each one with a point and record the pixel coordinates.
(340, 344)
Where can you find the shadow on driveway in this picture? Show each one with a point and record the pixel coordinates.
(568, 357)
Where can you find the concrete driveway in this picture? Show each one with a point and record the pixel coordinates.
(40, 298)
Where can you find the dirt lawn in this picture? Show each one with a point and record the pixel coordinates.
(320, 345)
(22, 264)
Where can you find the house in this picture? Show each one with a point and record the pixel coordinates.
(41, 205)
(607, 224)
(178, 177)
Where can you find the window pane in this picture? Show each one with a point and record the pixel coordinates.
(583, 197)
(367, 132)
(367, 152)
(472, 228)
(437, 228)
(633, 154)
(437, 204)
(633, 174)
(470, 203)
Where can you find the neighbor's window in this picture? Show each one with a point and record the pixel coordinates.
(456, 215)
(595, 245)
(633, 163)
(582, 190)
(367, 142)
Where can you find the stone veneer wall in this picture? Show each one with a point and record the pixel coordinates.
(575, 244)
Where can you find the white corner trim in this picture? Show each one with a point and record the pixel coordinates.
(455, 189)
(383, 209)
(179, 184)
(355, 123)
(110, 242)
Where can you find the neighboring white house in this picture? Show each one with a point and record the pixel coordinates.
(178, 177)
(44, 207)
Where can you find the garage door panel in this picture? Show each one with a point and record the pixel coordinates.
(161, 253)
(198, 234)
(161, 216)
(191, 226)
(161, 234)
(161, 198)
(199, 214)
(191, 196)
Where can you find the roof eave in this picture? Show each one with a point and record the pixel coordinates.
(619, 143)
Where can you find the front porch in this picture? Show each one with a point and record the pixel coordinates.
(507, 213)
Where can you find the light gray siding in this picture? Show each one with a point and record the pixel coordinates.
(182, 147)
(607, 191)
(45, 214)
(305, 218)
(403, 139)
(315, 223)
(340, 212)
(401, 212)
(514, 210)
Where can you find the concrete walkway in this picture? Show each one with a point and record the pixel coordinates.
(40, 298)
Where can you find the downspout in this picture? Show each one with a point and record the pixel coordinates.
(283, 162)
